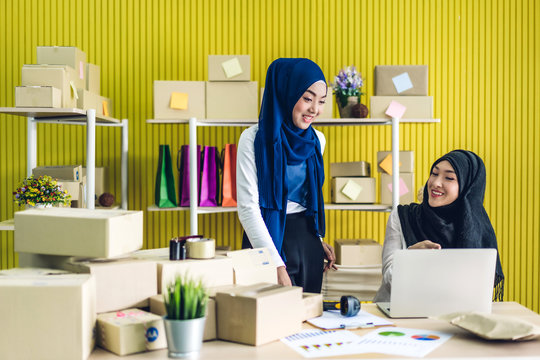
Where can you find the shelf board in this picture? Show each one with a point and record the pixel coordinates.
(318, 122)
(200, 209)
(56, 114)
(359, 207)
(8, 225)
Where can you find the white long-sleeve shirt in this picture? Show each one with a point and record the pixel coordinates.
(247, 193)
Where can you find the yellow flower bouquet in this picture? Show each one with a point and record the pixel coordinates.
(41, 190)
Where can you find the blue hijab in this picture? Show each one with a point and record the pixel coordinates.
(279, 143)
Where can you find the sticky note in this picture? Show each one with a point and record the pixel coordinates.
(105, 105)
(179, 101)
(351, 190)
(402, 82)
(403, 189)
(386, 164)
(395, 110)
(81, 71)
(232, 67)
(74, 90)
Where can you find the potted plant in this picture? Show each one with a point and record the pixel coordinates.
(347, 84)
(185, 302)
(43, 191)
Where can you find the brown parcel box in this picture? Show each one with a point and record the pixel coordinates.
(352, 168)
(418, 107)
(76, 189)
(196, 106)
(38, 96)
(49, 317)
(249, 315)
(406, 188)
(101, 179)
(65, 55)
(232, 100)
(252, 266)
(355, 252)
(78, 232)
(58, 76)
(217, 73)
(313, 305)
(384, 85)
(93, 78)
(360, 281)
(157, 306)
(406, 160)
(328, 112)
(353, 190)
(62, 172)
(89, 100)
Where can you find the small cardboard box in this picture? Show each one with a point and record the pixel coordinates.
(65, 55)
(58, 76)
(29, 260)
(353, 168)
(47, 316)
(78, 232)
(61, 172)
(362, 282)
(252, 266)
(101, 180)
(385, 79)
(130, 331)
(252, 314)
(232, 100)
(38, 96)
(89, 100)
(93, 78)
(328, 112)
(229, 68)
(76, 190)
(196, 99)
(418, 107)
(157, 306)
(313, 305)
(406, 161)
(353, 190)
(355, 252)
(406, 188)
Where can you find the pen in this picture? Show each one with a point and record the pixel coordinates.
(356, 326)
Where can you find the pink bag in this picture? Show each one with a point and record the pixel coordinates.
(182, 162)
(209, 190)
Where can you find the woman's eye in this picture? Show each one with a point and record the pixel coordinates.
(307, 99)
(450, 178)
(322, 102)
(433, 174)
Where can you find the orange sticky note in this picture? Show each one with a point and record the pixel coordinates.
(386, 164)
(105, 108)
(179, 101)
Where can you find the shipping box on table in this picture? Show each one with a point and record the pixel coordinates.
(130, 331)
(252, 266)
(353, 190)
(362, 282)
(417, 107)
(232, 100)
(101, 180)
(229, 68)
(251, 314)
(78, 232)
(354, 252)
(89, 100)
(65, 55)
(62, 172)
(47, 317)
(352, 168)
(406, 161)
(175, 100)
(406, 188)
(38, 96)
(313, 305)
(93, 78)
(416, 76)
(58, 76)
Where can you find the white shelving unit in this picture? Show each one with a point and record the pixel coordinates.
(70, 116)
(194, 123)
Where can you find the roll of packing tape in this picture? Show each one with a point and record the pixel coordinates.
(203, 248)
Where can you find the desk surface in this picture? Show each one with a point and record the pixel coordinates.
(462, 344)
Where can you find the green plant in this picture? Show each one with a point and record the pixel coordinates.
(41, 190)
(185, 299)
(347, 83)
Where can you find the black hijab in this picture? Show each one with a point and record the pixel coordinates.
(461, 224)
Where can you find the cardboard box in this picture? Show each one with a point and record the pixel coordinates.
(229, 68)
(353, 168)
(232, 100)
(61, 172)
(417, 75)
(356, 252)
(406, 161)
(406, 188)
(77, 191)
(64, 55)
(49, 317)
(157, 306)
(130, 331)
(259, 314)
(418, 107)
(101, 179)
(89, 100)
(252, 266)
(313, 305)
(360, 281)
(353, 190)
(196, 102)
(93, 78)
(38, 96)
(78, 232)
(29, 260)
(58, 76)
(328, 112)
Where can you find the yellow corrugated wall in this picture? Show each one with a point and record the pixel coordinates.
(484, 75)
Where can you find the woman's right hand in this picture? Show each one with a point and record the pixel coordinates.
(426, 244)
(282, 276)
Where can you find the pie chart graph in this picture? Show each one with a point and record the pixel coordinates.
(425, 337)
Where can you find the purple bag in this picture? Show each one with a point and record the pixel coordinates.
(182, 162)
(209, 190)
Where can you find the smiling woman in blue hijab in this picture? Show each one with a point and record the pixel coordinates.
(280, 175)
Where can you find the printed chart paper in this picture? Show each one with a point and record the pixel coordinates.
(319, 343)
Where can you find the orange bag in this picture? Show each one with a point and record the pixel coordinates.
(229, 176)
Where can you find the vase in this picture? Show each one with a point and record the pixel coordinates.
(353, 109)
(184, 337)
(39, 206)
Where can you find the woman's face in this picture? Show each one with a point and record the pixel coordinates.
(442, 185)
(310, 105)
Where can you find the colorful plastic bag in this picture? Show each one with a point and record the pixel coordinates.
(165, 193)
(183, 167)
(229, 176)
(209, 190)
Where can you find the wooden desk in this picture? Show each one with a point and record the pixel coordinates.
(462, 344)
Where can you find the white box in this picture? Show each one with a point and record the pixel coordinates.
(252, 266)
(38, 96)
(78, 232)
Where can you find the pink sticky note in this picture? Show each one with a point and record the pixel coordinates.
(81, 70)
(395, 110)
(403, 189)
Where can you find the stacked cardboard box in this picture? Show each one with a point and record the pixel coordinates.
(70, 178)
(406, 176)
(352, 183)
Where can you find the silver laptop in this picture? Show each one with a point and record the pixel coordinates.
(436, 282)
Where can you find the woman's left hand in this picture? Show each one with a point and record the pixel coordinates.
(330, 257)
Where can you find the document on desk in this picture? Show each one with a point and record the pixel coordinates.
(319, 343)
(334, 320)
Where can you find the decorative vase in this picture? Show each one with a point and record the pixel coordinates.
(184, 337)
(39, 206)
(353, 109)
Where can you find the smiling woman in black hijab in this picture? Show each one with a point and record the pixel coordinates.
(451, 215)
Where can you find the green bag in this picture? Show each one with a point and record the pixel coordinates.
(165, 194)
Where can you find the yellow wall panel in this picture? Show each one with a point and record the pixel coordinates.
(484, 76)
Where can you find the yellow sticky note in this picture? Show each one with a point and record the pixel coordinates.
(179, 101)
(386, 164)
(351, 190)
(74, 90)
(105, 108)
(232, 67)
